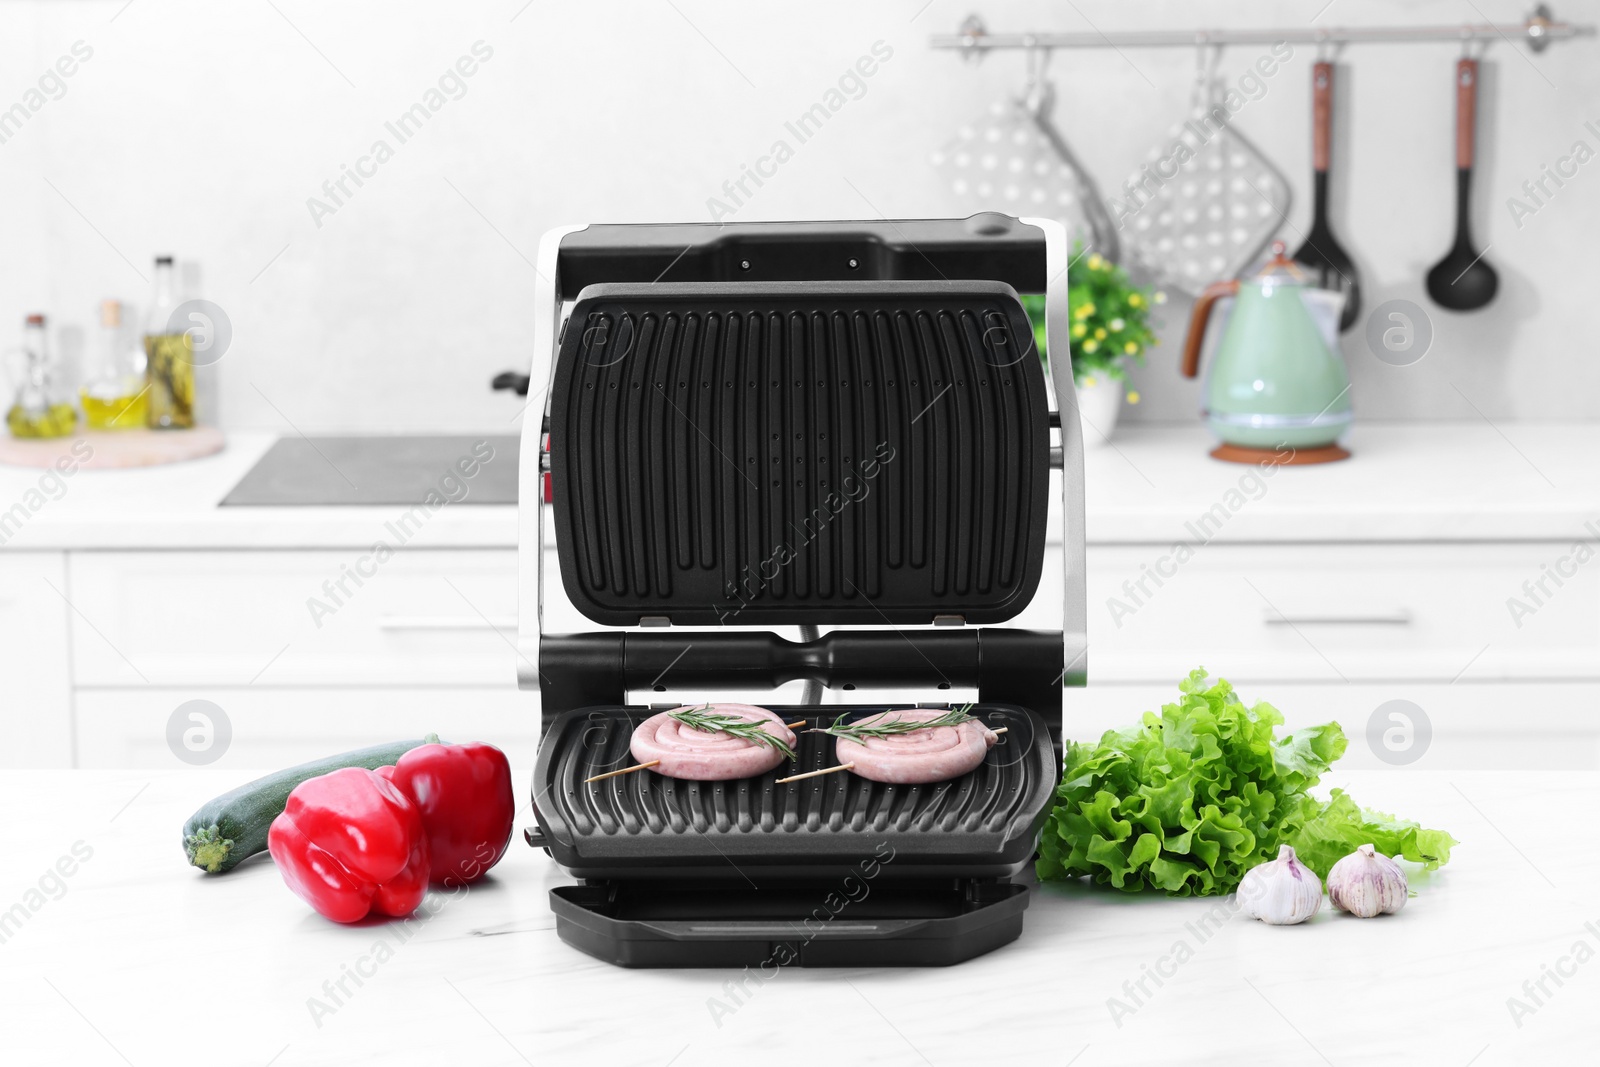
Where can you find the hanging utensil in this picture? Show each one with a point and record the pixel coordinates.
(1013, 159)
(1321, 254)
(1463, 280)
(1039, 102)
(1207, 201)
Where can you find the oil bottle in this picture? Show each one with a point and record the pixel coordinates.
(114, 390)
(37, 410)
(169, 358)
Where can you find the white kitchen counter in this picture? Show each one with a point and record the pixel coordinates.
(143, 958)
(1416, 481)
(176, 506)
(1406, 481)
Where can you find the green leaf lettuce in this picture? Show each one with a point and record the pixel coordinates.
(1341, 826)
(1192, 798)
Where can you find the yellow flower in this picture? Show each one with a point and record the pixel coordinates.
(1161, 298)
(1130, 348)
(1095, 262)
(1133, 397)
(1091, 345)
(1079, 329)
(1084, 312)
(1088, 382)
(1117, 324)
(1135, 300)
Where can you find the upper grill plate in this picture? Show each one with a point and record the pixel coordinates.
(787, 452)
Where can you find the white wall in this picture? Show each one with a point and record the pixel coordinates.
(202, 128)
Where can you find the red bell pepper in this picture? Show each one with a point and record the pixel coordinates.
(465, 796)
(351, 843)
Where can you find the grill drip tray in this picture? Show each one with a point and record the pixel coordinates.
(830, 871)
(856, 921)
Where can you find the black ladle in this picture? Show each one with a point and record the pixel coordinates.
(1462, 280)
(1321, 254)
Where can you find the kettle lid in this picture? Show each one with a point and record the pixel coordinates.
(1280, 269)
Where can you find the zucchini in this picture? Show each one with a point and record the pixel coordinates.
(231, 828)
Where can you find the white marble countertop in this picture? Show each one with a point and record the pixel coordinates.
(1415, 481)
(136, 956)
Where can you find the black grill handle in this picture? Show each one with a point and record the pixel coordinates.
(510, 379)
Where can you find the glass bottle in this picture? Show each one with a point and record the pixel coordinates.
(37, 411)
(114, 390)
(169, 358)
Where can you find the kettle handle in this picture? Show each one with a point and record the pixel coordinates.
(1197, 323)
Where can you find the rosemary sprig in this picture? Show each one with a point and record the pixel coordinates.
(890, 727)
(703, 718)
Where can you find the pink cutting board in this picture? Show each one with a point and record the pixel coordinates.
(114, 449)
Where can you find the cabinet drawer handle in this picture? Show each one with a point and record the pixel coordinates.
(437, 622)
(1398, 617)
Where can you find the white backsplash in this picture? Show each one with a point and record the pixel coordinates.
(204, 128)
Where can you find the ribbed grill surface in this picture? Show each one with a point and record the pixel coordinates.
(645, 815)
(757, 455)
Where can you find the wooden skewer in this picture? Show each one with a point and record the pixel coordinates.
(792, 725)
(780, 781)
(625, 770)
(1002, 729)
(814, 774)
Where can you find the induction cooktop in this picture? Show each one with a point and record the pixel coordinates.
(366, 471)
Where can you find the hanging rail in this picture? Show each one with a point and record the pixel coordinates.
(1538, 31)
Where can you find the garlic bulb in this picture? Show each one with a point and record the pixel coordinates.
(1367, 883)
(1282, 892)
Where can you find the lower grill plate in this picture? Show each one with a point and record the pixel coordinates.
(645, 825)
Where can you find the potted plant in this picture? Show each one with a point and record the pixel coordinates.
(1110, 328)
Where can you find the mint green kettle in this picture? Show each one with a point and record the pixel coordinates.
(1277, 390)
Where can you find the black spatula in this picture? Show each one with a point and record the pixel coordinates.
(1321, 253)
(1463, 280)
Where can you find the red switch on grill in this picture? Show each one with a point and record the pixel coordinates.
(549, 486)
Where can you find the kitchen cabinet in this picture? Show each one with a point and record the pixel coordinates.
(428, 643)
(1334, 631)
(281, 726)
(300, 618)
(301, 658)
(1522, 726)
(1337, 614)
(35, 683)
(1342, 613)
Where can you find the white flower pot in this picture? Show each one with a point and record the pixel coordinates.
(1099, 404)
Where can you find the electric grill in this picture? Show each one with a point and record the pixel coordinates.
(842, 425)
